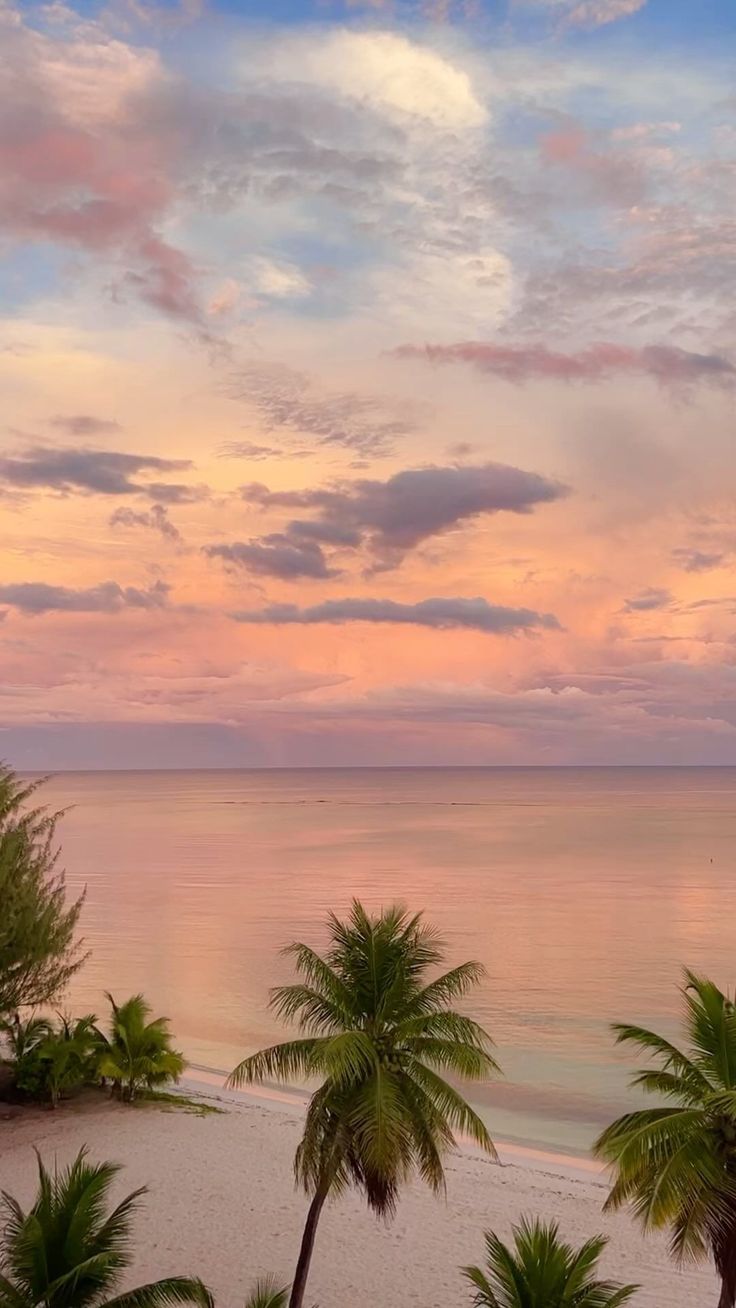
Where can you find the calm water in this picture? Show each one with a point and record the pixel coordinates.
(582, 891)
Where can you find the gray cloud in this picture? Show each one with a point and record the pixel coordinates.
(250, 450)
(104, 472)
(108, 597)
(328, 533)
(85, 424)
(154, 519)
(176, 492)
(647, 600)
(275, 555)
(441, 614)
(393, 516)
(287, 401)
(695, 560)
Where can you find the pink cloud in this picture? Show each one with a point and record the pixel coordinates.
(608, 174)
(597, 13)
(81, 165)
(666, 364)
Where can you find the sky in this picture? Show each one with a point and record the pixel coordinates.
(368, 375)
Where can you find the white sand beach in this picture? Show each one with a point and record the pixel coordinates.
(222, 1204)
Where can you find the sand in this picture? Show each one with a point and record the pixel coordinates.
(222, 1204)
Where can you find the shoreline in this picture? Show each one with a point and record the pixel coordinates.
(510, 1153)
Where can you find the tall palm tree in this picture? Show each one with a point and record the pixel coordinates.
(677, 1163)
(138, 1052)
(541, 1271)
(69, 1251)
(378, 1034)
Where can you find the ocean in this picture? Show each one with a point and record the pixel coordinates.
(584, 891)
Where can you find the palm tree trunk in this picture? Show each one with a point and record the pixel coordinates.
(726, 1265)
(728, 1295)
(728, 1292)
(305, 1253)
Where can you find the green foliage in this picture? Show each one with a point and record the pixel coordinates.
(540, 1271)
(138, 1052)
(49, 1061)
(379, 1036)
(266, 1294)
(677, 1163)
(69, 1251)
(178, 1102)
(38, 953)
(22, 1037)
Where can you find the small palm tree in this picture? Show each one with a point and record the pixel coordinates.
(378, 1034)
(541, 1271)
(70, 1055)
(50, 1060)
(266, 1294)
(138, 1052)
(69, 1251)
(677, 1163)
(21, 1038)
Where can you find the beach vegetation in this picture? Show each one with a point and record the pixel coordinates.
(61, 1063)
(39, 951)
(23, 1035)
(675, 1164)
(379, 1035)
(49, 1061)
(69, 1250)
(267, 1294)
(138, 1052)
(539, 1270)
(178, 1102)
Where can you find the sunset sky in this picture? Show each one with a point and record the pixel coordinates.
(368, 378)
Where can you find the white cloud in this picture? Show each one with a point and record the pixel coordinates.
(279, 280)
(385, 70)
(442, 292)
(82, 73)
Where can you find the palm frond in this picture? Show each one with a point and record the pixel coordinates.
(161, 1294)
(458, 1113)
(314, 1011)
(266, 1294)
(448, 988)
(650, 1042)
(466, 1061)
(539, 1270)
(292, 1061)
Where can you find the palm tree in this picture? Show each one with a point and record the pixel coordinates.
(541, 1271)
(70, 1054)
(22, 1037)
(377, 1034)
(69, 1251)
(48, 1060)
(677, 1162)
(138, 1051)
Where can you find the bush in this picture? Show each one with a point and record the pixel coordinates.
(49, 1062)
(38, 952)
